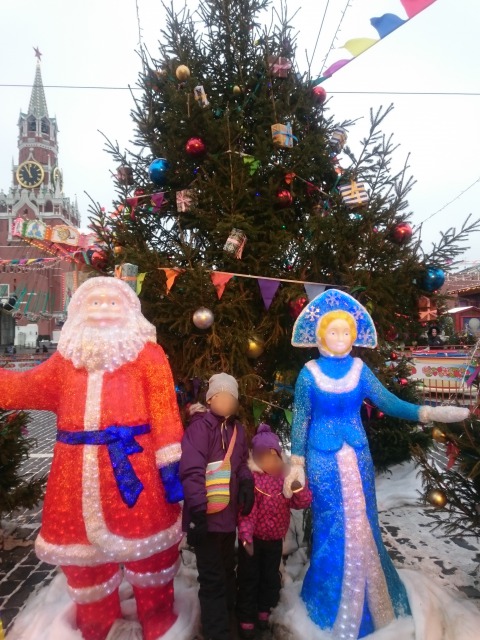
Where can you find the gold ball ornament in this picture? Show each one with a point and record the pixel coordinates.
(182, 72)
(237, 90)
(203, 318)
(437, 498)
(255, 347)
(439, 436)
(118, 249)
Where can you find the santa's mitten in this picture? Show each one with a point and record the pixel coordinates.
(171, 482)
(443, 414)
(295, 474)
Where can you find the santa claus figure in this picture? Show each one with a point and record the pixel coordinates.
(109, 509)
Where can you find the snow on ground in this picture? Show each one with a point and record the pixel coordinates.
(435, 570)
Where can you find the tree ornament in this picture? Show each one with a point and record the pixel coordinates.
(338, 139)
(391, 333)
(354, 195)
(296, 306)
(195, 147)
(255, 347)
(401, 233)
(380, 415)
(284, 198)
(157, 171)
(235, 243)
(319, 94)
(439, 436)
(437, 498)
(182, 72)
(203, 318)
(99, 260)
(125, 175)
(118, 249)
(282, 135)
(432, 279)
(394, 355)
(201, 96)
(237, 90)
(403, 382)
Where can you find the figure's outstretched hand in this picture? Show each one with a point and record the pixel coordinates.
(443, 414)
(295, 475)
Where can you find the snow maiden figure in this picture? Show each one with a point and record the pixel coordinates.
(351, 587)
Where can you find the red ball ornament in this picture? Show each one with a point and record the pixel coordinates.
(319, 94)
(401, 233)
(380, 415)
(284, 198)
(99, 260)
(296, 306)
(403, 382)
(195, 147)
(394, 356)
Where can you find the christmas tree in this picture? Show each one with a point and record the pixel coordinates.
(455, 487)
(16, 492)
(241, 187)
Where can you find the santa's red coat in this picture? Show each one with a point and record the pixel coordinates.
(85, 521)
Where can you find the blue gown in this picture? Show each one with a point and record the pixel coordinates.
(351, 587)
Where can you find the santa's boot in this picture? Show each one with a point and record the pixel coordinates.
(155, 610)
(95, 592)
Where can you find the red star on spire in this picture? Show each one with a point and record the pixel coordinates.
(38, 54)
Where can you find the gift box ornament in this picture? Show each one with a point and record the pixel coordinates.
(128, 273)
(338, 139)
(282, 135)
(235, 243)
(427, 309)
(354, 194)
(279, 66)
(201, 96)
(184, 200)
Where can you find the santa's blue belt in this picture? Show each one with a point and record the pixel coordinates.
(120, 443)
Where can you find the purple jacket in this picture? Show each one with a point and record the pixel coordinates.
(204, 441)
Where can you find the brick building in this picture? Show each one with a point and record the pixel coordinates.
(36, 192)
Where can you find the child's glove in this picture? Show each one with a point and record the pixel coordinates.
(246, 496)
(171, 482)
(248, 546)
(198, 529)
(443, 414)
(296, 474)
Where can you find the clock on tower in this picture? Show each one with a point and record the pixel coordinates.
(30, 174)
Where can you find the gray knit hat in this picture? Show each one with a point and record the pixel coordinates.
(222, 382)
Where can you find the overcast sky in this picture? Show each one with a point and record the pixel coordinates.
(93, 43)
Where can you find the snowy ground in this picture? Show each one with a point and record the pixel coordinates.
(439, 574)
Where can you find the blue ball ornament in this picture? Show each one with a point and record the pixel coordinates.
(158, 171)
(432, 279)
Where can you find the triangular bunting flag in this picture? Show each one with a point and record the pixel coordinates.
(220, 281)
(140, 279)
(258, 408)
(171, 275)
(288, 416)
(313, 290)
(268, 289)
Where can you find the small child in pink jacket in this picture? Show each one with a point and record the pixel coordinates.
(261, 533)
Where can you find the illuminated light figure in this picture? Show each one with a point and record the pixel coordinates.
(109, 509)
(351, 587)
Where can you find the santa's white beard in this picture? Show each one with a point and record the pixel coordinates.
(104, 347)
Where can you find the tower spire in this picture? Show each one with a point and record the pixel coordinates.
(38, 103)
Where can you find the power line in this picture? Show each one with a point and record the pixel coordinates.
(378, 93)
(451, 201)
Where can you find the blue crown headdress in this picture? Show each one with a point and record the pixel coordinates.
(305, 328)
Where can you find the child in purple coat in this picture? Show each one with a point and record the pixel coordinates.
(262, 531)
(206, 441)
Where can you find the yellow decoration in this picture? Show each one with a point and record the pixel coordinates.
(256, 347)
(118, 249)
(437, 498)
(356, 46)
(237, 90)
(439, 436)
(182, 72)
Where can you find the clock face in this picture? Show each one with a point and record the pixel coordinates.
(30, 174)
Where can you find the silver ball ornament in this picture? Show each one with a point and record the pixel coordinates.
(203, 318)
